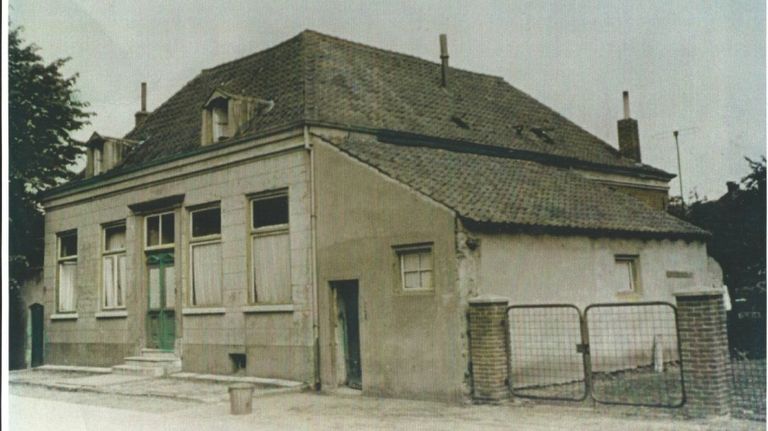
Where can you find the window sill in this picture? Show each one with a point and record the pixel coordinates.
(111, 314)
(268, 308)
(203, 311)
(65, 316)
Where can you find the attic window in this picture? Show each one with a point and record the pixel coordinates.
(219, 119)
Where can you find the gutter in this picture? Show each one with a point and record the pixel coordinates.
(315, 290)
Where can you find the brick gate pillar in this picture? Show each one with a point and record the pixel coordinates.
(704, 352)
(488, 348)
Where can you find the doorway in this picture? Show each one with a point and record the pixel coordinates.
(348, 332)
(36, 320)
(161, 322)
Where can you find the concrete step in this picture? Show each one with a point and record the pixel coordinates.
(157, 353)
(133, 370)
(152, 360)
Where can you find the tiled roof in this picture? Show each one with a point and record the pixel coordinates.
(321, 79)
(511, 192)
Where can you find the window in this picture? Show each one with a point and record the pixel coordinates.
(159, 231)
(625, 270)
(205, 256)
(271, 249)
(96, 161)
(113, 267)
(416, 268)
(67, 271)
(220, 119)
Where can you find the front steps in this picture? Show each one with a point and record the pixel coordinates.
(151, 363)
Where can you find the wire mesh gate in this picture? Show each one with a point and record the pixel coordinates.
(625, 353)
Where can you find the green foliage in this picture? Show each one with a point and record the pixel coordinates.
(737, 222)
(43, 109)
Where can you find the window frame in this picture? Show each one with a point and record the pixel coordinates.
(64, 259)
(633, 260)
(203, 241)
(160, 245)
(262, 231)
(402, 251)
(115, 256)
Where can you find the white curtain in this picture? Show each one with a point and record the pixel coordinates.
(109, 282)
(272, 268)
(67, 282)
(120, 291)
(206, 274)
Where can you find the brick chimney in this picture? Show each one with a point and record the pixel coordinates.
(143, 114)
(629, 137)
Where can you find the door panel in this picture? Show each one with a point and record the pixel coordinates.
(161, 324)
(347, 307)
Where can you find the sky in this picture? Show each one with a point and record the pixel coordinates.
(694, 66)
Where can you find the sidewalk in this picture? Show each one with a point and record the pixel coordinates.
(87, 410)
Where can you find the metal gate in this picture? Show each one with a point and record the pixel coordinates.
(621, 353)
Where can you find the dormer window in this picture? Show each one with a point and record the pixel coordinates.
(220, 119)
(226, 113)
(96, 160)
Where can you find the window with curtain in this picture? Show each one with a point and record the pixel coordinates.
(67, 272)
(159, 231)
(270, 249)
(205, 257)
(113, 267)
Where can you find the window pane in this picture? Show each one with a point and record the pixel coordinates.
(220, 118)
(272, 268)
(624, 276)
(109, 281)
(154, 287)
(411, 262)
(412, 280)
(426, 280)
(167, 229)
(153, 230)
(206, 274)
(170, 287)
(425, 260)
(270, 211)
(68, 245)
(206, 222)
(67, 281)
(114, 238)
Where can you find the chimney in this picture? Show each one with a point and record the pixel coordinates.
(629, 137)
(444, 58)
(143, 114)
(732, 187)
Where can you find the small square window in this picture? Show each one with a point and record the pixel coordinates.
(114, 238)
(416, 268)
(68, 245)
(160, 230)
(269, 211)
(206, 222)
(625, 269)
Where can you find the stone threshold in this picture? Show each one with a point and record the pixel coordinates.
(260, 381)
(72, 369)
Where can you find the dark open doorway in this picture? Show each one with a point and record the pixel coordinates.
(348, 330)
(36, 320)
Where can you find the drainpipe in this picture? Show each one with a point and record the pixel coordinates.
(313, 227)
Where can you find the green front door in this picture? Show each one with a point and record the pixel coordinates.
(161, 324)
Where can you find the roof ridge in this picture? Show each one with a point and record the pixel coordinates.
(392, 52)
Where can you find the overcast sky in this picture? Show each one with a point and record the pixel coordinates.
(696, 66)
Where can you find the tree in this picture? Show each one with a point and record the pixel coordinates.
(737, 223)
(43, 110)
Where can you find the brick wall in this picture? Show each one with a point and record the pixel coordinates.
(489, 348)
(704, 352)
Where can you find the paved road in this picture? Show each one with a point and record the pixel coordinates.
(45, 409)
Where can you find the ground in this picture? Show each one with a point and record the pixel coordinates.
(174, 404)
